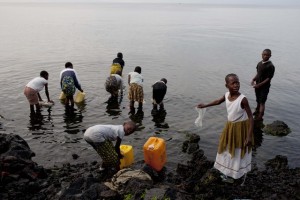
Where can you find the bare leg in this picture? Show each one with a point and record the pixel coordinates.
(38, 108)
(261, 111)
(72, 102)
(140, 106)
(161, 106)
(131, 104)
(32, 109)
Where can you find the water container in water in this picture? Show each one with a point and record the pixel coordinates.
(79, 97)
(127, 152)
(155, 153)
(62, 96)
(115, 67)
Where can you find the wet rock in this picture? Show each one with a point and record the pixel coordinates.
(277, 163)
(192, 148)
(155, 175)
(155, 193)
(191, 144)
(277, 128)
(75, 156)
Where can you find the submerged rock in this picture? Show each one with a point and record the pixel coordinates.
(191, 144)
(277, 128)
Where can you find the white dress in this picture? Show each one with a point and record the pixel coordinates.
(233, 158)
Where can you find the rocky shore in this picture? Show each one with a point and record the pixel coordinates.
(21, 178)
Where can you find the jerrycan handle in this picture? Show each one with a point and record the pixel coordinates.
(151, 147)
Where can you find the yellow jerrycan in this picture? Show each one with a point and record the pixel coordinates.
(115, 67)
(127, 152)
(62, 96)
(155, 153)
(79, 97)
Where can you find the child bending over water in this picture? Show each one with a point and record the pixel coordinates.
(100, 137)
(33, 88)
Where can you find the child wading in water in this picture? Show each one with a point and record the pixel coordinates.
(100, 137)
(234, 152)
(262, 83)
(113, 84)
(136, 93)
(159, 90)
(69, 82)
(33, 88)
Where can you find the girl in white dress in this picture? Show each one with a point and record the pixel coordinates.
(235, 144)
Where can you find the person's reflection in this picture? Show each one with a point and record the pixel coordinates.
(73, 119)
(37, 120)
(81, 106)
(136, 116)
(159, 117)
(258, 133)
(113, 106)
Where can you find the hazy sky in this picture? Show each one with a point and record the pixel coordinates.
(258, 2)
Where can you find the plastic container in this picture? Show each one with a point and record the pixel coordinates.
(46, 104)
(79, 97)
(115, 67)
(62, 96)
(155, 153)
(128, 159)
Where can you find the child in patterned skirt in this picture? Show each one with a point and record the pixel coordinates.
(136, 93)
(100, 137)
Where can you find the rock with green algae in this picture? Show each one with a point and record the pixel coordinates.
(277, 128)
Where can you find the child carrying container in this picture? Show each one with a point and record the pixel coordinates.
(32, 89)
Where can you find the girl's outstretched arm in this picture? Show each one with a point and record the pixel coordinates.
(245, 105)
(215, 102)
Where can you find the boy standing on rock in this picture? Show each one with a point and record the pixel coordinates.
(262, 83)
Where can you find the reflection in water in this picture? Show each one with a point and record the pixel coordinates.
(113, 106)
(40, 123)
(159, 117)
(258, 133)
(73, 119)
(137, 116)
(81, 106)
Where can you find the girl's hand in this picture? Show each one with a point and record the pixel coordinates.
(256, 86)
(248, 141)
(201, 105)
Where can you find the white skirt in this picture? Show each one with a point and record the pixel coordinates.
(234, 167)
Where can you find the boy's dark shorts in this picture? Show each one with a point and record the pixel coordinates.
(262, 94)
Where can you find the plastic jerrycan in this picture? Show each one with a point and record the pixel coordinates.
(79, 97)
(62, 96)
(127, 152)
(155, 153)
(115, 67)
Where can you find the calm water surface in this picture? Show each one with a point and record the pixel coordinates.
(193, 46)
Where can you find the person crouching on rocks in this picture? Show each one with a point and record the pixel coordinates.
(101, 138)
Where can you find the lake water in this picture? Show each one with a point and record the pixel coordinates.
(193, 46)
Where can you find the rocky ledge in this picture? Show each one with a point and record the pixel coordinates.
(21, 178)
